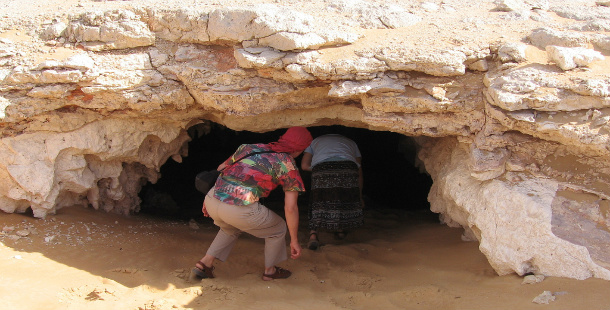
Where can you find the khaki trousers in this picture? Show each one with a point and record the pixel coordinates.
(254, 219)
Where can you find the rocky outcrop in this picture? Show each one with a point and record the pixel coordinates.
(511, 113)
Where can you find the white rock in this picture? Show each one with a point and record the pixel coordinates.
(544, 37)
(60, 76)
(514, 52)
(110, 30)
(509, 5)
(400, 19)
(569, 58)
(80, 61)
(544, 298)
(466, 200)
(245, 24)
(6, 50)
(487, 165)
(48, 64)
(54, 31)
(430, 6)
(479, 65)
(22, 233)
(601, 41)
(265, 57)
(301, 58)
(538, 4)
(335, 37)
(51, 91)
(185, 25)
(157, 58)
(378, 85)
(298, 73)
(288, 41)
(439, 63)
(532, 279)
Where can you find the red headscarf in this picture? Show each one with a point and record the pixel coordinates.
(296, 139)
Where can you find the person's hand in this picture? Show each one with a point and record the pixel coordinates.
(205, 210)
(295, 249)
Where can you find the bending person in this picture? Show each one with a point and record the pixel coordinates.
(234, 204)
(336, 186)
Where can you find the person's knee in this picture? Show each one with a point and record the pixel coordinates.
(231, 232)
(280, 232)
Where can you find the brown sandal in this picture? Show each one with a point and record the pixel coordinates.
(280, 273)
(202, 271)
(313, 244)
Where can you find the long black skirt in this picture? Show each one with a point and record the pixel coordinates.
(335, 197)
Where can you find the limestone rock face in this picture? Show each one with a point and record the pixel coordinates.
(111, 30)
(509, 102)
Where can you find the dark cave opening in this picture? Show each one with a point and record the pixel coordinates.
(391, 180)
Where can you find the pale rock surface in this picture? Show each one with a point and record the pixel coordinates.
(522, 208)
(533, 279)
(570, 58)
(94, 101)
(112, 30)
(544, 298)
(370, 15)
(512, 52)
(258, 58)
(547, 36)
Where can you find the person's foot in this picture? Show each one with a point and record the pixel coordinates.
(279, 273)
(340, 234)
(313, 243)
(201, 271)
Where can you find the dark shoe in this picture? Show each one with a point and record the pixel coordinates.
(313, 244)
(340, 235)
(201, 271)
(280, 273)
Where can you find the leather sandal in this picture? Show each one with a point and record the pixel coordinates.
(313, 244)
(201, 271)
(280, 273)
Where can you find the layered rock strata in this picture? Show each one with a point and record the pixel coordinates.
(510, 112)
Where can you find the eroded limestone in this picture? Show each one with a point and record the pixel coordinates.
(515, 138)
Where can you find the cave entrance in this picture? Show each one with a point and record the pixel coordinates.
(391, 178)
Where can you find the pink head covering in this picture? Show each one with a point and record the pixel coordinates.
(296, 139)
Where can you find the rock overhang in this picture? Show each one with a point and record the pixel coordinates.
(492, 110)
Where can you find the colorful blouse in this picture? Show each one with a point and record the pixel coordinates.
(246, 181)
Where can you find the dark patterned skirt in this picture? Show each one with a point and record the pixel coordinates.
(335, 197)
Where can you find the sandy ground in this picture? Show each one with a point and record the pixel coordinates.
(86, 259)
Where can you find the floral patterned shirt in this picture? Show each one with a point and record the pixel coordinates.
(246, 181)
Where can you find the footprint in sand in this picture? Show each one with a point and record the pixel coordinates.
(425, 296)
(160, 304)
(126, 270)
(87, 293)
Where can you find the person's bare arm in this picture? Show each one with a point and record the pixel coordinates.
(221, 166)
(291, 210)
(204, 208)
(306, 161)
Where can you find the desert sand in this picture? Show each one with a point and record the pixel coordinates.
(86, 259)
